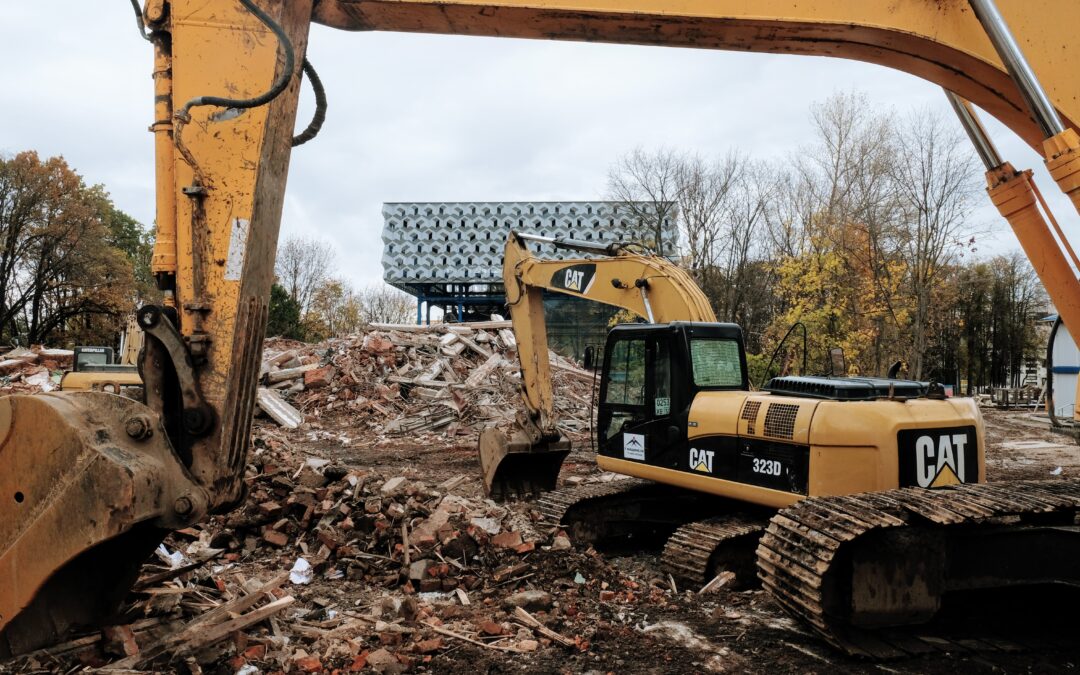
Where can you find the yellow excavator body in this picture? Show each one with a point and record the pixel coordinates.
(827, 436)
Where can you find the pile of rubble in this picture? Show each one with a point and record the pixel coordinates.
(445, 379)
(329, 568)
(29, 371)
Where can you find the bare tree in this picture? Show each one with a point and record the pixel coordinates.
(383, 304)
(935, 175)
(703, 189)
(302, 266)
(648, 184)
(741, 242)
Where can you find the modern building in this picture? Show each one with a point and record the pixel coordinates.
(449, 255)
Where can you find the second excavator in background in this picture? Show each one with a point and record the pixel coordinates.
(675, 407)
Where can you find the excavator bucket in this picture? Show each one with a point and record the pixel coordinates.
(516, 468)
(89, 485)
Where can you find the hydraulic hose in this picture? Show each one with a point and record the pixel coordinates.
(1054, 421)
(317, 120)
(275, 90)
(139, 20)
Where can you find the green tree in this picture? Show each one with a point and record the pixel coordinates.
(62, 279)
(137, 243)
(284, 315)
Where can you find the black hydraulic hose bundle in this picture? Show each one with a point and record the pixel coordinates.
(1050, 374)
(275, 90)
(317, 120)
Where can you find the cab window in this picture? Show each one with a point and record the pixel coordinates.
(716, 362)
(626, 377)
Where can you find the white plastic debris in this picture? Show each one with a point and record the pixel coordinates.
(489, 525)
(579, 579)
(174, 559)
(301, 572)
(248, 669)
(1056, 472)
(41, 379)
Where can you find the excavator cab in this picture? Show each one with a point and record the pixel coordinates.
(651, 373)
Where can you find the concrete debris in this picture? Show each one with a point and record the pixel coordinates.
(34, 370)
(436, 382)
(281, 412)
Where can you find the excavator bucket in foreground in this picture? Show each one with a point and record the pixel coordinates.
(516, 468)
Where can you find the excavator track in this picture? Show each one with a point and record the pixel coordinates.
(557, 505)
(696, 551)
(863, 570)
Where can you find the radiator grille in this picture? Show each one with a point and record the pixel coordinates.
(780, 420)
(750, 413)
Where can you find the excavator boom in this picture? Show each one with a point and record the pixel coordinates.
(528, 461)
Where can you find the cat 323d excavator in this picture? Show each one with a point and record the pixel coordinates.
(91, 482)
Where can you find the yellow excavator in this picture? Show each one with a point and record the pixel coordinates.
(675, 407)
(95, 369)
(91, 482)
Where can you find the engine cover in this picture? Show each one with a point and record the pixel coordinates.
(844, 388)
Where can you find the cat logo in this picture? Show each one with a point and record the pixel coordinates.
(575, 278)
(939, 460)
(933, 458)
(701, 460)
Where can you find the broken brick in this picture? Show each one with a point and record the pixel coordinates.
(319, 377)
(428, 646)
(119, 640)
(275, 538)
(507, 540)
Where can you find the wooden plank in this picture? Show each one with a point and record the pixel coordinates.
(475, 347)
(484, 371)
(289, 373)
(530, 621)
(240, 604)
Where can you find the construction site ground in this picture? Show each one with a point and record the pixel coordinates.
(614, 612)
(724, 631)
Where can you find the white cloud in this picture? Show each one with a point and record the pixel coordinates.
(418, 117)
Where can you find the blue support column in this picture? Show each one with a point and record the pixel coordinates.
(419, 310)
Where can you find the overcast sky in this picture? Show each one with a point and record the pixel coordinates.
(424, 118)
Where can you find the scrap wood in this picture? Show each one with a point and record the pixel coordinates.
(241, 603)
(161, 577)
(289, 373)
(466, 638)
(196, 634)
(475, 347)
(485, 370)
(138, 627)
(532, 622)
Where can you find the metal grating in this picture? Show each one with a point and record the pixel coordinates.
(780, 420)
(750, 413)
(462, 242)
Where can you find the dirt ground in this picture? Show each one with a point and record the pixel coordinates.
(720, 632)
(617, 608)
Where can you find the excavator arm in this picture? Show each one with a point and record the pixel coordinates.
(648, 285)
(92, 482)
(88, 483)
